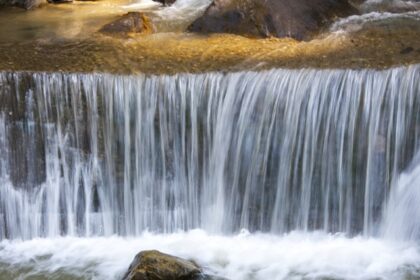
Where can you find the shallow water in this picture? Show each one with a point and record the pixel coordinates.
(81, 19)
(239, 257)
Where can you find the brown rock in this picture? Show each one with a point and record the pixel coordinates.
(154, 265)
(132, 22)
(299, 19)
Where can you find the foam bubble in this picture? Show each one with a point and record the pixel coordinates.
(241, 257)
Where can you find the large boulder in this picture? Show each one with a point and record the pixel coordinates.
(132, 22)
(299, 19)
(154, 265)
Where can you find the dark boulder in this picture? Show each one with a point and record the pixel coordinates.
(154, 265)
(299, 19)
(132, 22)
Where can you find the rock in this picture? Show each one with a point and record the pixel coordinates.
(59, 1)
(154, 265)
(299, 19)
(166, 2)
(132, 22)
(26, 4)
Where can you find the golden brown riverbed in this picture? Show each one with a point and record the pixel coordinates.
(65, 38)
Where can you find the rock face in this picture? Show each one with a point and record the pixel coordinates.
(26, 4)
(132, 22)
(262, 18)
(154, 265)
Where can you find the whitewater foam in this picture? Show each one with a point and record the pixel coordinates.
(240, 257)
(357, 22)
(389, 5)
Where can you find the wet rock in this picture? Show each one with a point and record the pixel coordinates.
(26, 4)
(132, 22)
(166, 2)
(154, 265)
(59, 1)
(263, 18)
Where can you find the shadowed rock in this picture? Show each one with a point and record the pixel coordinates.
(26, 4)
(263, 18)
(59, 1)
(166, 2)
(132, 22)
(154, 265)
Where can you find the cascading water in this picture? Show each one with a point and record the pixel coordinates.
(275, 152)
(403, 212)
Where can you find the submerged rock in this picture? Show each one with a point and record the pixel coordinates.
(154, 265)
(132, 22)
(298, 19)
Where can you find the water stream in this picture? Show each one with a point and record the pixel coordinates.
(303, 173)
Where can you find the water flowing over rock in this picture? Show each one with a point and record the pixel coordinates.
(280, 18)
(154, 265)
(393, 6)
(26, 4)
(273, 151)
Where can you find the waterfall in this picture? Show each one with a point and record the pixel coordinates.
(272, 151)
(403, 213)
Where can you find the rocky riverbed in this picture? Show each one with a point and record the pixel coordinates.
(172, 53)
(67, 38)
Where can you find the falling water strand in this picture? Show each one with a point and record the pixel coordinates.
(403, 212)
(272, 151)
